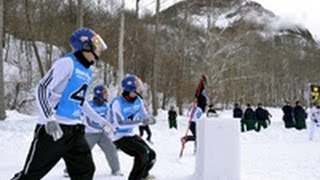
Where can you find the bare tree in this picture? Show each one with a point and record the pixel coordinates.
(240, 65)
(32, 35)
(121, 40)
(155, 61)
(80, 14)
(2, 103)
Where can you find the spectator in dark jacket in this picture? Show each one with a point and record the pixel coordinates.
(300, 116)
(248, 121)
(262, 117)
(211, 111)
(172, 118)
(288, 115)
(237, 111)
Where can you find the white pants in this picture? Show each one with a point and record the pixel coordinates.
(312, 130)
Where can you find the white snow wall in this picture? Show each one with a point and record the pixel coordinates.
(218, 149)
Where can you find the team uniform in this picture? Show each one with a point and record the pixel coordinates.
(315, 120)
(196, 116)
(127, 113)
(61, 95)
(96, 135)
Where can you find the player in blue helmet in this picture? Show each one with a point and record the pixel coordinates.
(127, 113)
(131, 83)
(94, 132)
(100, 94)
(61, 98)
(85, 39)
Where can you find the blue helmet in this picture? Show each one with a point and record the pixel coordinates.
(131, 83)
(86, 39)
(99, 90)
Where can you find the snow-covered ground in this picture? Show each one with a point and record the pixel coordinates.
(275, 153)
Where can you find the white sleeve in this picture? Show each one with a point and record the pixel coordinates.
(144, 114)
(197, 114)
(119, 120)
(52, 85)
(92, 114)
(313, 114)
(317, 114)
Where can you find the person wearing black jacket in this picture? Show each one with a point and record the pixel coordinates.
(300, 116)
(288, 115)
(172, 118)
(262, 116)
(237, 111)
(249, 120)
(211, 111)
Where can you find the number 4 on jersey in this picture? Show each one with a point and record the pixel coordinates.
(80, 94)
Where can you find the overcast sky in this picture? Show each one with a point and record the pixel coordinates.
(305, 12)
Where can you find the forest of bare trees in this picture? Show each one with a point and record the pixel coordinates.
(169, 52)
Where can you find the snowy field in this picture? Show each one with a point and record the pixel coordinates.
(273, 154)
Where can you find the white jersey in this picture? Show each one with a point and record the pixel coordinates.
(315, 121)
(126, 116)
(93, 125)
(197, 114)
(315, 114)
(51, 90)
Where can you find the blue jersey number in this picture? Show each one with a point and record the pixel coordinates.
(80, 94)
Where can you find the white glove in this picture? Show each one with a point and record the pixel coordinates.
(53, 129)
(108, 128)
(149, 120)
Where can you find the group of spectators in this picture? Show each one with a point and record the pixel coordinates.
(252, 119)
(294, 117)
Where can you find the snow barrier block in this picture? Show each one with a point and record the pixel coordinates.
(218, 149)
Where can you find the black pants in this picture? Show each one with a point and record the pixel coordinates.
(173, 123)
(147, 129)
(192, 128)
(261, 123)
(44, 153)
(301, 124)
(144, 156)
(248, 125)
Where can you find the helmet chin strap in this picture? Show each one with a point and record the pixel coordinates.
(96, 57)
(90, 48)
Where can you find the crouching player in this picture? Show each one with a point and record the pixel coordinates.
(127, 113)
